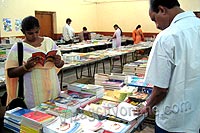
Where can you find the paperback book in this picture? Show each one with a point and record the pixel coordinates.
(16, 113)
(124, 111)
(115, 127)
(59, 126)
(44, 57)
(68, 103)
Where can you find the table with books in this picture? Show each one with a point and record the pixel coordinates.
(105, 109)
(80, 60)
(85, 46)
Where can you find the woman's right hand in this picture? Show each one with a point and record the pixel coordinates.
(31, 62)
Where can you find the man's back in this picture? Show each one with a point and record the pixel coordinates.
(176, 67)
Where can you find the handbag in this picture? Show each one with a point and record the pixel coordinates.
(19, 101)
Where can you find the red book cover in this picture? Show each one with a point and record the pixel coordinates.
(44, 57)
(38, 116)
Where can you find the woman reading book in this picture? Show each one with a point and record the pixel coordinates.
(40, 74)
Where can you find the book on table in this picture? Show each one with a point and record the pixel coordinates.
(16, 113)
(87, 88)
(124, 111)
(50, 108)
(82, 98)
(115, 127)
(35, 120)
(59, 125)
(68, 103)
(45, 57)
(13, 118)
(37, 117)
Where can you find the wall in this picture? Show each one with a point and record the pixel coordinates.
(97, 17)
(129, 14)
(82, 14)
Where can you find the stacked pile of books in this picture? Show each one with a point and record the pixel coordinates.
(129, 68)
(137, 81)
(96, 90)
(72, 100)
(13, 118)
(117, 76)
(113, 84)
(100, 78)
(141, 69)
(135, 68)
(34, 121)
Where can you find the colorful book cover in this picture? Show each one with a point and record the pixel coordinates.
(79, 95)
(68, 103)
(44, 57)
(52, 109)
(115, 127)
(38, 116)
(16, 113)
(62, 127)
(137, 81)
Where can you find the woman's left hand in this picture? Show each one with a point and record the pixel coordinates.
(58, 62)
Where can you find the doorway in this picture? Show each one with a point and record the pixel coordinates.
(46, 20)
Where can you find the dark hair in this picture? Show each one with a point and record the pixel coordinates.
(118, 27)
(139, 26)
(68, 20)
(29, 23)
(166, 3)
(84, 28)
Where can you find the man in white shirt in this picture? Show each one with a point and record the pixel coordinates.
(174, 69)
(68, 32)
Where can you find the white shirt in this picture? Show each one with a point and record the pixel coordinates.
(174, 63)
(117, 40)
(68, 32)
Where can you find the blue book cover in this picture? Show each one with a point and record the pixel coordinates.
(16, 113)
(21, 112)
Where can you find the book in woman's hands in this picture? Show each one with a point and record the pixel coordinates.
(45, 57)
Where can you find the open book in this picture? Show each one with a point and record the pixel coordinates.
(45, 57)
(124, 111)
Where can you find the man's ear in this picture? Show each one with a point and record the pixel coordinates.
(162, 9)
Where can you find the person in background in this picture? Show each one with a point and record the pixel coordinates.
(174, 69)
(117, 37)
(84, 35)
(137, 35)
(41, 83)
(68, 32)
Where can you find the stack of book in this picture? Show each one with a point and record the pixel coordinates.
(137, 81)
(68, 103)
(34, 121)
(13, 118)
(141, 69)
(129, 68)
(113, 84)
(96, 90)
(117, 76)
(100, 78)
(82, 98)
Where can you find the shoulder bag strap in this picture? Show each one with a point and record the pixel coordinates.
(20, 61)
